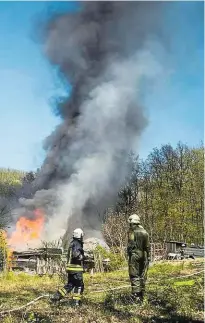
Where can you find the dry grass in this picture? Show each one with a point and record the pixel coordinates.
(164, 301)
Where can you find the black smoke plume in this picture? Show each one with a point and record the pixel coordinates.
(106, 52)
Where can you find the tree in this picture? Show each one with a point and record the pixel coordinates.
(115, 231)
(167, 191)
(29, 177)
(10, 182)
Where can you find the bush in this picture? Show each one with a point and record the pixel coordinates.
(117, 261)
(3, 250)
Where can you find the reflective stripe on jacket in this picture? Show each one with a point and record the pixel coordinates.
(74, 268)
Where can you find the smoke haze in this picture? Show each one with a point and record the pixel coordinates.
(107, 52)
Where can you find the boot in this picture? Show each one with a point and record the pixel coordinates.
(76, 303)
(141, 297)
(56, 297)
(136, 298)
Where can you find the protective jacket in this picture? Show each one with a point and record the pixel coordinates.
(138, 250)
(138, 242)
(75, 257)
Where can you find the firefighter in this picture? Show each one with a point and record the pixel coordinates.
(138, 250)
(75, 267)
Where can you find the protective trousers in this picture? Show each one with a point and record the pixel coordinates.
(75, 283)
(137, 273)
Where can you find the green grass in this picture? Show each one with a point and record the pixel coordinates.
(185, 283)
(168, 298)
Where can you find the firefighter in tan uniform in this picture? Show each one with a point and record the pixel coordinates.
(138, 250)
(75, 261)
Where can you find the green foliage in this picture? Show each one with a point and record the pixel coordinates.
(117, 261)
(167, 191)
(10, 181)
(3, 250)
(165, 269)
(184, 302)
(9, 178)
(185, 283)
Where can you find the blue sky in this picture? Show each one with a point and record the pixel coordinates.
(27, 83)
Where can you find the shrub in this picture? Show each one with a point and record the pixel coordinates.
(3, 250)
(117, 261)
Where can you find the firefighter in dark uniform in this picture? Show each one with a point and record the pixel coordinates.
(138, 257)
(75, 267)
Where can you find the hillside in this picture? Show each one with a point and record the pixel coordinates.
(9, 178)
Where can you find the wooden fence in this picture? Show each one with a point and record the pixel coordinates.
(158, 251)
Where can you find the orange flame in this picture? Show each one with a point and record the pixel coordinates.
(27, 230)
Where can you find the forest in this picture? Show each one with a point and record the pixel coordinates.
(167, 191)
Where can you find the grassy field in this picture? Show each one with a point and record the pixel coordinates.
(170, 297)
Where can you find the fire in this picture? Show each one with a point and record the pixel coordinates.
(28, 231)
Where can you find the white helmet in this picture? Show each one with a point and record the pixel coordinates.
(134, 218)
(78, 233)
